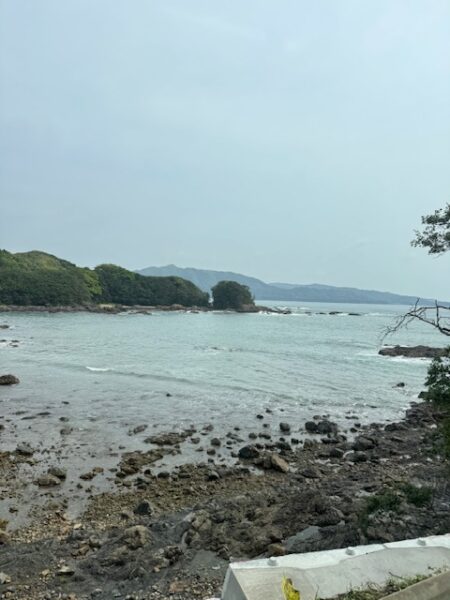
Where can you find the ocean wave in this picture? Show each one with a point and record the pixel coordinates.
(99, 369)
(408, 359)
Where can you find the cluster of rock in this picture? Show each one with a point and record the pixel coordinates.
(413, 351)
(8, 379)
(170, 527)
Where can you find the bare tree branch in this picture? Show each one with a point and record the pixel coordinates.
(438, 316)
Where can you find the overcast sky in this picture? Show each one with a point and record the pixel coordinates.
(294, 141)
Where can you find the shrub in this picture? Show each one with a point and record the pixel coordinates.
(419, 496)
(438, 380)
(387, 501)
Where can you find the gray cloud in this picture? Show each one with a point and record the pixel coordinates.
(261, 137)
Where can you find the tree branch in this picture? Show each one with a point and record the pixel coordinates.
(438, 316)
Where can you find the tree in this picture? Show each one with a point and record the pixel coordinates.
(436, 234)
(230, 294)
(436, 238)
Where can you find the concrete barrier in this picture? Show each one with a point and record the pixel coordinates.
(328, 573)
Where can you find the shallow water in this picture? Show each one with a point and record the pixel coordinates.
(102, 375)
(115, 370)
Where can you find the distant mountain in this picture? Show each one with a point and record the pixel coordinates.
(205, 280)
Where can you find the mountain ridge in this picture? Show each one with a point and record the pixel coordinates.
(314, 292)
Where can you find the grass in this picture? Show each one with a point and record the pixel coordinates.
(386, 501)
(419, 496)
(444, 430)
(376, 592)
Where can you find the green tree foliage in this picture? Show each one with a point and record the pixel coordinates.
(438, 380)
(36, 278)
(230, 294)
(436, 238)
(436, 233)
(124, 287)
(40, 279)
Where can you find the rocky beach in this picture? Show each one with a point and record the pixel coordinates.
(160, 531)
(118, 483)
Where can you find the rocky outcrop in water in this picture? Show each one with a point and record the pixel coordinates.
(8, 380)
(412, 351)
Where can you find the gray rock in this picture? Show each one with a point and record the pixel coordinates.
(357, 457)
(8, 380)
(332, 516)
(363, 443)
(249, 452)
(336, 453)
(296, 542)
(311, 427)
(57, 472)
(136, 536)
(311, 473)
(285, 427)
(326, 426)
(137, 429)
(143, 508)
(413, 351)
(24, 449)
(47, 481)
(278, 463)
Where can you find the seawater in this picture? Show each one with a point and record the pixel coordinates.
(108, 373)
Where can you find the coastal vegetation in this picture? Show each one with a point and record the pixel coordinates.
(435, 238)
(231, 295)
(40, 279)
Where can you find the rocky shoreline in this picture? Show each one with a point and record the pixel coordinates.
(160, 532)
(114, 309)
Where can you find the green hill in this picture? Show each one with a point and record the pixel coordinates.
(40, 279)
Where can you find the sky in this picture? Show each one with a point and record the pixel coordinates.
(291, 140)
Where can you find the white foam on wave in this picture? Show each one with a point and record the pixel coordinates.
(409, 359)
(99, 369)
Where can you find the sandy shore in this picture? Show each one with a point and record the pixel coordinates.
(169, 531)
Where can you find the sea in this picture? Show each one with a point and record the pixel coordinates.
(107, 374)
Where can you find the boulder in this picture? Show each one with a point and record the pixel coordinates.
(326, 426)
(143, 508)
(57, 472)
(296, 543)
(357, 457)
(24, 449)
(278, 463)
(332, 516)
(285, 427)
(336, 453)
(249, 452)
(47, 481)
(311, 427)
(137, 429)
(8, 380)
(135, 537)
(311, 473)
(363, 443)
